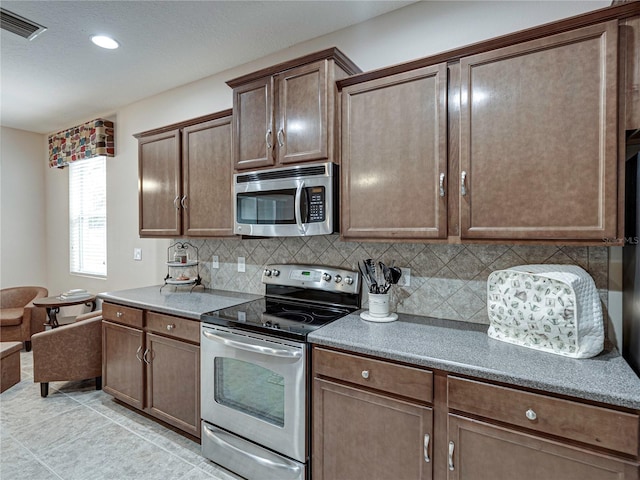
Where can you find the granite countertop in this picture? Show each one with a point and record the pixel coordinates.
(465, 348)
(181, 302)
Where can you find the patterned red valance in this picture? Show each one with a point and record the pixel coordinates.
(92, 139)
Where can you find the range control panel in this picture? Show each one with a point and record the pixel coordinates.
(312, 276)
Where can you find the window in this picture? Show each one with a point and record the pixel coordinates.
(88, 217)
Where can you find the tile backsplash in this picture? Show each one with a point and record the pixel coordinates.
(446, 281)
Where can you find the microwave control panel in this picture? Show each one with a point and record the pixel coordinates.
(316, 204)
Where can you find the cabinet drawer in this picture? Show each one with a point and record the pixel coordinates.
(597, 426)
(176, 327)
(125, 315)
(381, 375)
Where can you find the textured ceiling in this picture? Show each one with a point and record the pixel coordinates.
(60, 76)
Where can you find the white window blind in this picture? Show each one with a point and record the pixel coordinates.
(88, 216)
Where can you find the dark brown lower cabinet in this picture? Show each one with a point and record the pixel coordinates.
(481, 451)
(173, 382)
(377, 419)
(151, 361)
(359, 435)
(122, 368)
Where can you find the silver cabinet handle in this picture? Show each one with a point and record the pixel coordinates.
(175, 202)
(281, 137)
(267, 138)
(138, 354)
(184, 199)
(531, 415)
(144, 356)
(119, 314)
(426, 447)
(442, 184)
(170, 327)
(365, 373)
(463, 187)
(451, 447)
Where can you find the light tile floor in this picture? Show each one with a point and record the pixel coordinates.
(79, 433)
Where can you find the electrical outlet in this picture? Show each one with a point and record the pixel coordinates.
(241, 265)
(137, 254)
(405, 279)
(215, 263)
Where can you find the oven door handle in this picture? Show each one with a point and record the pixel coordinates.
(298, 209)
(255, 348)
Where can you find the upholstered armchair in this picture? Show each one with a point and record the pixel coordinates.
(70, 352)
(19, 318)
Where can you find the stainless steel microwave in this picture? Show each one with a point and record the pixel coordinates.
(292, 201)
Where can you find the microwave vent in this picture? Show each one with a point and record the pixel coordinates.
(283, 173)
(19, 25)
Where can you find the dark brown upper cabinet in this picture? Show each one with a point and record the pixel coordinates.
(185, 179)
(287, 113)
(516, 139)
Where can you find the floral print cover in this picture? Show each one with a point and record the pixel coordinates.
(553, 308)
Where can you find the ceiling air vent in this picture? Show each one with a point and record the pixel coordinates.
(19, 25)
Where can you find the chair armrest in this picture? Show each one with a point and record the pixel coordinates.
(88, 315)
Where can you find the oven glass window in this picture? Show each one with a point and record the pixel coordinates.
(250, 389)
(275, 207)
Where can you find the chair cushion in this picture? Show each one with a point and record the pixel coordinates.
(11, 316)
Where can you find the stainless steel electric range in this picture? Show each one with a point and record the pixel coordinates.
(255, 370)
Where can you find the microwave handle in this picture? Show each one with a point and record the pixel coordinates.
(298, 209)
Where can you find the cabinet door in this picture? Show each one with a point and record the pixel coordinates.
(394, 156)
(630, 74)
(479, 451)
(253, 135)
(302, 114)
(173, 382)
(538, 138)
(207, 171)
(364, 436)
(159, 185)
(122, 368)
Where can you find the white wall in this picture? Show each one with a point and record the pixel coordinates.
(22, 217)
(415, 31)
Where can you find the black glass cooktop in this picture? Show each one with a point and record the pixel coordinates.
(283, 318)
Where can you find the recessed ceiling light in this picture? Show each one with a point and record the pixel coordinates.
(105, 42)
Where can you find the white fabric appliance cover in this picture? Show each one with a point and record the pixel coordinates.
(553, 308)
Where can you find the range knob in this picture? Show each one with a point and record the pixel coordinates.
(337, 278)
(348, 280)
(267, 272)
(275, 272)
(326, 277)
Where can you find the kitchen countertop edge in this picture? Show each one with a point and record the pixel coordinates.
(180, 303)
(464, 348)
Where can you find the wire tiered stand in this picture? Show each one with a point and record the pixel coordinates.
(178, 257)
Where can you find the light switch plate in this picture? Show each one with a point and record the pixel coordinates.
(215, 263)
(241, 265)
(137, 254)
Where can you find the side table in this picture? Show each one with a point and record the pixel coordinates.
(53, 305)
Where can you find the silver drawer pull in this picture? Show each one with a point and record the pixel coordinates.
(451, 447)
(119, 314)
(442, 184)
(365, 373)
(531, 415)
(171, 326)
(426, 447)
(463, 187)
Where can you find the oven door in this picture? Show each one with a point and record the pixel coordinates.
(255, 386)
